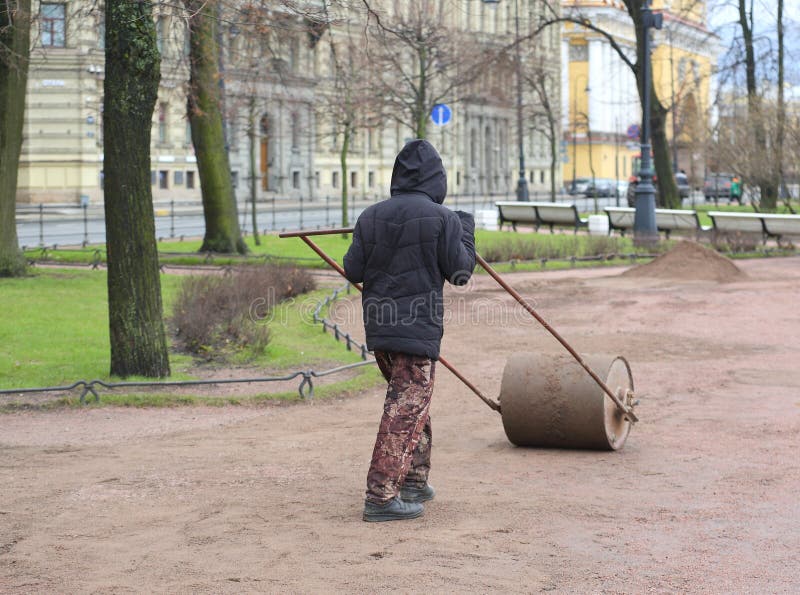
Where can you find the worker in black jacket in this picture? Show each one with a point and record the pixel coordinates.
(403, 250)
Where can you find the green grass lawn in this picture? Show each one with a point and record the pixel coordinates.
(54, 331)
(494, 245)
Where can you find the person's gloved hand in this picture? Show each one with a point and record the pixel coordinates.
(467, 221)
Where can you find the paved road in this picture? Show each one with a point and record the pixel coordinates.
(70, 225)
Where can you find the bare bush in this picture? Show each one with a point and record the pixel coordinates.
(214, 317)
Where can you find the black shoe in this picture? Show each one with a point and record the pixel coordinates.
(393, 510)
(411, 494)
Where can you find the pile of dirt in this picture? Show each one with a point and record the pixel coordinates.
(692, 262)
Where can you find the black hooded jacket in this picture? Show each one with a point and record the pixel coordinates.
(403, 250)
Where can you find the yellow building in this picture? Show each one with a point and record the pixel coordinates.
(601, 107)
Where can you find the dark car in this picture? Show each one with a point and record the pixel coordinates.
(578, 185)
(681, 180)
(717, 186)
(601, 187)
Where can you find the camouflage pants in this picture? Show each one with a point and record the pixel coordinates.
(402, 453)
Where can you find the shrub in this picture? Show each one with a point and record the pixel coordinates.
(215, 316)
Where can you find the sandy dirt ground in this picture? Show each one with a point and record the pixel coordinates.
(703, 497)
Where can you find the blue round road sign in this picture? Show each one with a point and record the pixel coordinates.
(634, 132)
(441, 114)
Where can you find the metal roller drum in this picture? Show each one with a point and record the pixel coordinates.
(549, 400)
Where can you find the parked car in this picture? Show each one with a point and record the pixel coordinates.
(717, 186)
(681, 180)
(578, 185)
(684, 189)
(601, 187)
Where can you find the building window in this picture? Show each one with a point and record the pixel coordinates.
(335, 179)
(188, 139)
(152, 177)
(353, 179)
(541, 177)
(294, 55)
(458, 178)
(162, 122)
(316, 179)
(235, 179)
(54, 25)
(578, 52)
(161, 33)
(371, 179)
(190, 180)
(163, 179)
(296, 180)
(295, 123)
(102, 179)
(177, 178)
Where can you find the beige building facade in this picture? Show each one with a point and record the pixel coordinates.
(276, 132)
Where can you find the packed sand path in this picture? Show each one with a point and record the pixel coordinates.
(703, 498)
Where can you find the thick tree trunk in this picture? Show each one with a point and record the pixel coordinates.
(343, 163)
(138, 341)
(205, 115)
(668, 196)
(15, 28)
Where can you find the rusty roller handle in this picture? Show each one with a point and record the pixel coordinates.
(495, 275)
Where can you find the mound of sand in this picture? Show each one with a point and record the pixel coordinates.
(691, 262)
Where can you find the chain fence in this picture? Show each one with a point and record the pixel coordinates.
(305, 388)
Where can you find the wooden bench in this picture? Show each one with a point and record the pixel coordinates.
(667, 220)
(540, 213)
(514, 212)
(620, 218)
(738, 223)
(552, 214)
(781, 226)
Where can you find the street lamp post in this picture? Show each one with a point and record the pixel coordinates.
(645, 232)
(522, 183)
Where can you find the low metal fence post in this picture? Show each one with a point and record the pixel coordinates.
(172, 218)
(85, 208)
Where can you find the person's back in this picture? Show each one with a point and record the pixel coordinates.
(403, 250)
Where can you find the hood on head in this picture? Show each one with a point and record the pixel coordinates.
(418, 168)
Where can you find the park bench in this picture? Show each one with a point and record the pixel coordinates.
(667, 220)
(620, 218)
(724, 223)
(540, 213)
(781, 226)
(514, 212)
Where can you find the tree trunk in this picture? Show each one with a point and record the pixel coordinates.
(422, 115)
(15, 29)
(208, 137)
(253, 179)
(138, 341)
(763, 179)
(343, 161)
(780, 133)
(668, 196)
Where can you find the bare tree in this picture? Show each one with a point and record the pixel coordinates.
(350, 102)
(15, 27)
(208, 136)
(422, 59)
(545, 116)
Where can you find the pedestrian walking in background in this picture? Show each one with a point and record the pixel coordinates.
(403, 250)
(736, 189)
